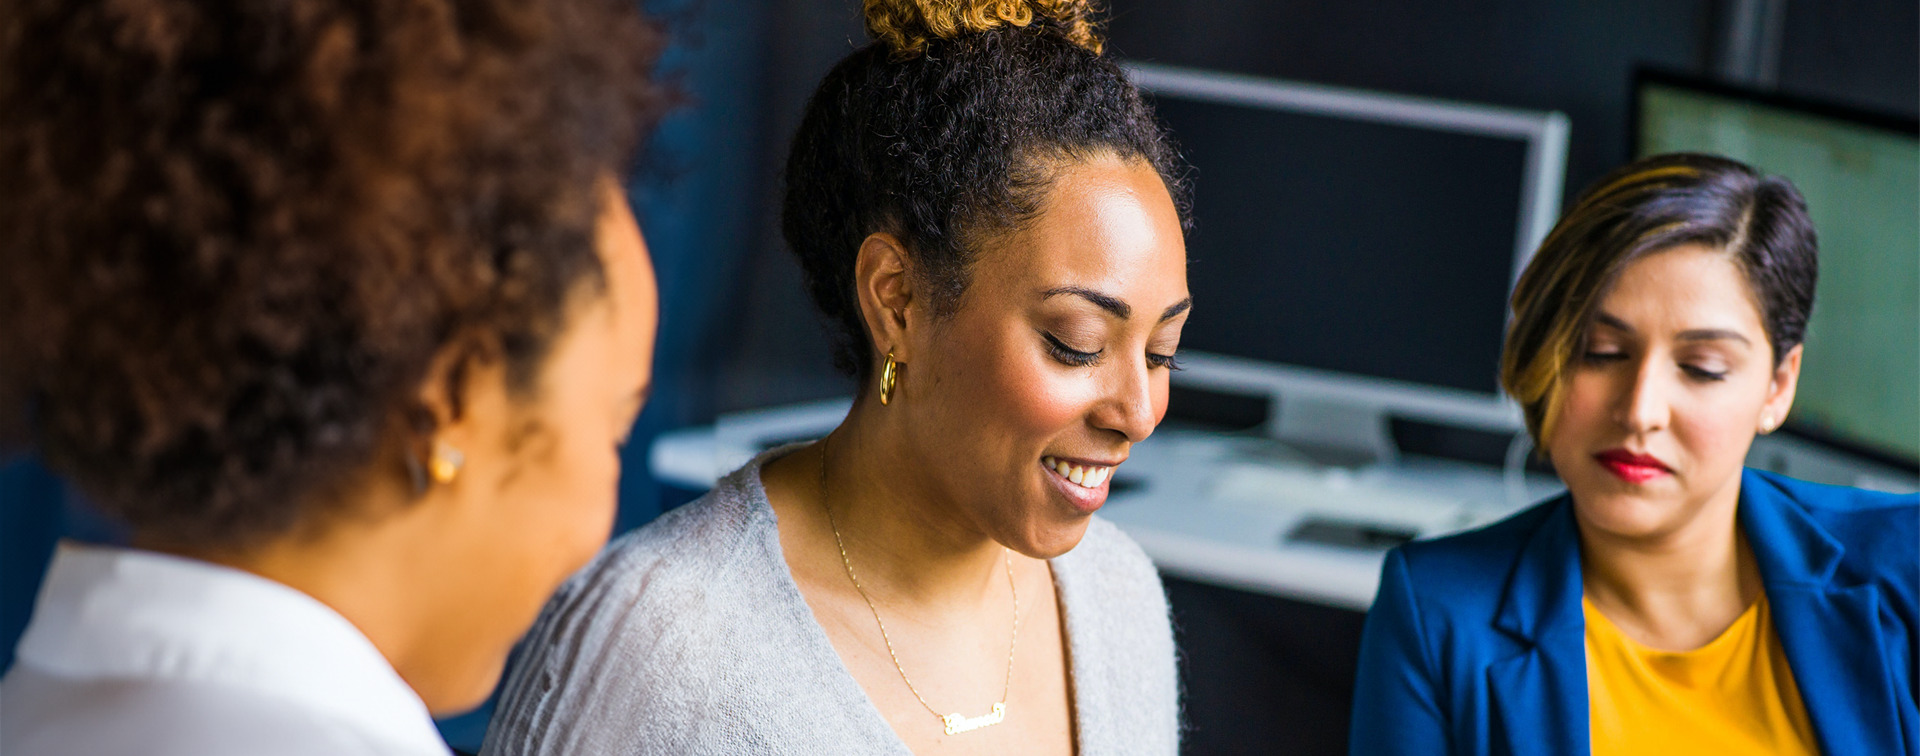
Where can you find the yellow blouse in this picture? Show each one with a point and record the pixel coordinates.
(1734, 695)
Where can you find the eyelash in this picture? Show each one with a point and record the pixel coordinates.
(1595, 358)
(1077, 358)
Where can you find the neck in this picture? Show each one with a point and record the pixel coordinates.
(371, 571)
(1676, 589)
(906, 539)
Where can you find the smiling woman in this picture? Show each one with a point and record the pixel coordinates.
(988, 217)
(1672, 602)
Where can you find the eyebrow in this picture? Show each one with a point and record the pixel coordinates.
(1112, 304)
(1178, 307)
(1697, 334)
(1119, 309)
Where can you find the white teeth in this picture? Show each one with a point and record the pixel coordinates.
(1085, 477)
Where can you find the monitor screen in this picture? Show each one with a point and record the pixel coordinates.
(1349, 245)
(1860, 376)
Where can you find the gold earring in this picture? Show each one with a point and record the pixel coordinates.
(887, 375)
(445, 463)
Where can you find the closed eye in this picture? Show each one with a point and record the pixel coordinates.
(1703, 374)
(1068, 355)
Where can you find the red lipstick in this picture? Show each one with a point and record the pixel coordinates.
(1631, 467)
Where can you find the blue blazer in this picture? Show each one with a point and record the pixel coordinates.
(1476, 643)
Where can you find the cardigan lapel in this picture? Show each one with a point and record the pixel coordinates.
(1540, 695)
(1830, 633)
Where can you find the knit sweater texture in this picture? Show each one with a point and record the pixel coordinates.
(689, 636)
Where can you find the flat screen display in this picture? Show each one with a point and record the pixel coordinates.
(1349, 245)
(1860, 377)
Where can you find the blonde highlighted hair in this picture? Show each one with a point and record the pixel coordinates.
(906, 26)
(1648, 206)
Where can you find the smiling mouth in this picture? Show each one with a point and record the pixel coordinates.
(1084, 476)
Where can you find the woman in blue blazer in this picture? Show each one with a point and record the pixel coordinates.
(1671, 601)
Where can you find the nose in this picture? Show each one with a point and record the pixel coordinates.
(1129, 407)
(1642, 406)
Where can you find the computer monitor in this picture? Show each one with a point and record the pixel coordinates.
(1860, 172)
(1353, 248)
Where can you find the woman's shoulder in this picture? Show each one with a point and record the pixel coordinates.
(632, 650)
(1108, 563)
(1879, 531)
(1825, 499)
(52, 715)
(1466, 560)
(707, 546)
(1121, 636)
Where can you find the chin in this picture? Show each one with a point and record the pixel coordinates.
(1626, 515)
(1052, 539)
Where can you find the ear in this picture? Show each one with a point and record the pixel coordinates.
(462, 388)
(882, 278)
(1786, 379)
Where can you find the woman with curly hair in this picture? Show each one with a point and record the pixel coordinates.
(989, 217)
(338, 307)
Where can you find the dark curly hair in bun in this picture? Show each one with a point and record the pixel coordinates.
(946, 131)
(236, 234)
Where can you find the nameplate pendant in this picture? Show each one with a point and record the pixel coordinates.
(957, 724)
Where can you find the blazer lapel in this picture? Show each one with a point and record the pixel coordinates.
(1540, 695)
(1831, 633)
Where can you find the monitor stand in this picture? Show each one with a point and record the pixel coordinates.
(1343, 434)
(1343, 416)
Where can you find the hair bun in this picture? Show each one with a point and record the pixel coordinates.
(906, 26)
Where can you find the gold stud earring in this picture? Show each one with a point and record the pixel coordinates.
(445, 463)
(887, 375)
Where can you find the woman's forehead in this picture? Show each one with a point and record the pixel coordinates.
(1681, 289)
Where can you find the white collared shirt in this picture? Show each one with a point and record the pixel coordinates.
(136, 652)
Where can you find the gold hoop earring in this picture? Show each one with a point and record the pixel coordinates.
(445, 463)
(887, 376)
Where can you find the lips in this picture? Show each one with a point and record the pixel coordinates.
(1631, 467)
(1085, 475)
(1082, 482)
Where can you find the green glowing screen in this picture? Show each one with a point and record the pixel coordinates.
(1860, 379)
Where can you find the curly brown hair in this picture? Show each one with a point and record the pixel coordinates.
(946, 130)
(906, 26)
(236, 234)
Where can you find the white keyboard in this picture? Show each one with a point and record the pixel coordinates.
(1333, 493)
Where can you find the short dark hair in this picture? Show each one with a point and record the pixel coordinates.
(1647, 206)
(236, 234)
(947, 130)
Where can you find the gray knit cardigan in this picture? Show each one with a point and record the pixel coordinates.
(689, 636)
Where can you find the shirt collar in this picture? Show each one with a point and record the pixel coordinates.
(121, 613)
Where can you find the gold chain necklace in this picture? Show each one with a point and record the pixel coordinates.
(955, 723)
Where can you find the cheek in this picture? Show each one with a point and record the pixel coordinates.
(568, 499)
(1584, 413)
(1035, 397)
(1716, 427)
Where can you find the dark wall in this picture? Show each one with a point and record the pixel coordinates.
(777, 351)
(1574, 56)
(1864, 53)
